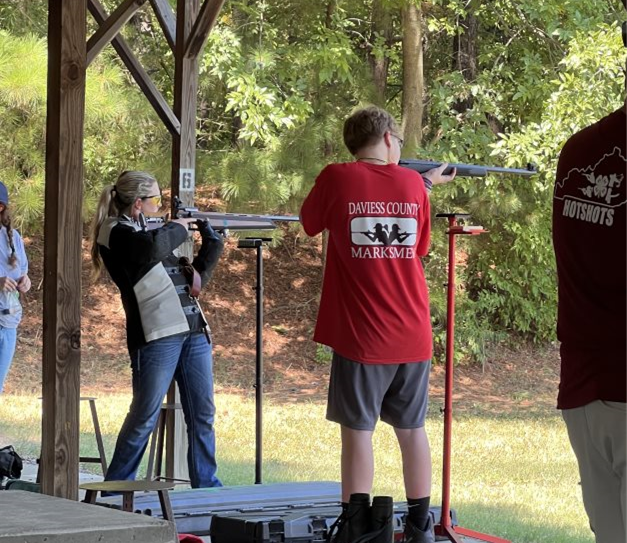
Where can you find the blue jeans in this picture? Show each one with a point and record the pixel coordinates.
(186, 358)
(8, 338)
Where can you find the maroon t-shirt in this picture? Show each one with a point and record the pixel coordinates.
(375, 305)
(589, 237)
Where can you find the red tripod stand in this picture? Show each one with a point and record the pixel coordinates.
(445, 527)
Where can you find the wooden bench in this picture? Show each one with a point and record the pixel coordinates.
(128, 489)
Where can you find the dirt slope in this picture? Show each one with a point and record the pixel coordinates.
(508, 381)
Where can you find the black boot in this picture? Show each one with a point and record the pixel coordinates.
(415, 535)
(354, 522)
(381, 522)
(382, 517)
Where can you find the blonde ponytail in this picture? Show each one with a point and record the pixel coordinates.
(116, 200)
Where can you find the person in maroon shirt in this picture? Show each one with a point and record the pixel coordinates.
(374, 310)
(589, 238)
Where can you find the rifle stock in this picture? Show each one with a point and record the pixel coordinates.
(465, 170)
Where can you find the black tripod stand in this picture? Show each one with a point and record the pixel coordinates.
(257, 243)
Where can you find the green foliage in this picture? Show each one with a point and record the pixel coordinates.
(274, 90)
(253, 178)
(280, 95)
(324, 355)
(118, 127)
(510, 272)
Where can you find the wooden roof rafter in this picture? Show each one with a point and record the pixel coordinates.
(111, 25)
(139, 74)
(110, 28)
(202, 27)
(167, 20)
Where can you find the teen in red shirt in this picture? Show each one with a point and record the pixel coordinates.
(375, 305)
(374, 310)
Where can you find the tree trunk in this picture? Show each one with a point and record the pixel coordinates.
(413, 77)
(241, 22)
(381, 28)
(465, 54)
(331, 7)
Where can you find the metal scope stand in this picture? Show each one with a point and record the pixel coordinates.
(257, 243)
(445, 527)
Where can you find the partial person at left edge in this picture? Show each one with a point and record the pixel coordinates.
(14, 281)
(167, 335)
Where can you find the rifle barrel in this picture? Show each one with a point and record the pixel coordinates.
(219, 216)
(465, 170)
(232, 221)
(236, 221)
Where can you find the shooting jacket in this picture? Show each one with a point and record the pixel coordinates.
(145, 267)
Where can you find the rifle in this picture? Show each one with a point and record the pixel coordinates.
(465, 170)
(221, 222)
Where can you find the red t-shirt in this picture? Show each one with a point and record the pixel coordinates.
(589, 237)
(375, 304)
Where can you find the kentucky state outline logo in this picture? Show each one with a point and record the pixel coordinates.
(593, 193)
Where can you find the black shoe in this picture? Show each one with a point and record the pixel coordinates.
(381, 521)
(353, 523)
(414, 535)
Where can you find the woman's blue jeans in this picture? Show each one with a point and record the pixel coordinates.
(188, 359)
(8, 338)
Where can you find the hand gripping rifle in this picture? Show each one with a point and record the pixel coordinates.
(465, 170)
(221, 222)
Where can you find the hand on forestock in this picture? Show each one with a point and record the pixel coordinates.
(24, 284)
(437, 177)
(207, 231)
(210, 250)
(7, 284)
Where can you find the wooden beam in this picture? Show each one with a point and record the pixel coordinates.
(63, 229)
(185, 100)
(182, 182)
(166, 19)
(141, 77)
(202, 27)
(111, 27)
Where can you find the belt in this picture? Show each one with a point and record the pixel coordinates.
(10, 311)
(191, 310)
(182, 289)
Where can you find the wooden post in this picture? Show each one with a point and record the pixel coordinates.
(63, 228)
(183, 184)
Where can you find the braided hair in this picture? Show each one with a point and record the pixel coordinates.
(115, 201)
(5, 220)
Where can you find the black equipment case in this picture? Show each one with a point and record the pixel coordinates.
(194, 508)
(294, 524)
(266, 513)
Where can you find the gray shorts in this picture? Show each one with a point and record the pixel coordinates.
(361, 393)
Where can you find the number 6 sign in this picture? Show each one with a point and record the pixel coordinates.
(186, 180)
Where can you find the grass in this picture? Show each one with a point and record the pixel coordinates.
(513, 476)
